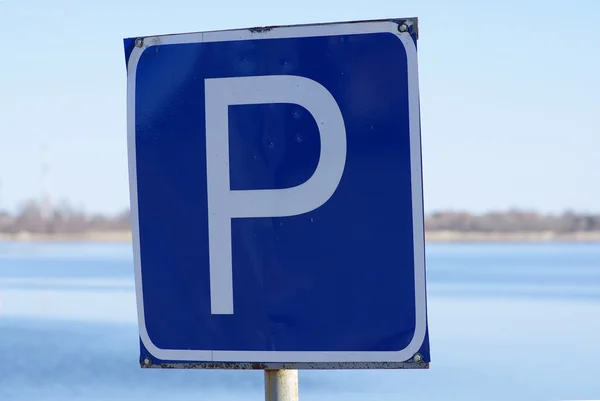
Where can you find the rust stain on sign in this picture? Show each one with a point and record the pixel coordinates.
(261, 29)
(276, 366)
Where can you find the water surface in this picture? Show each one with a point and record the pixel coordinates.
(507, 322)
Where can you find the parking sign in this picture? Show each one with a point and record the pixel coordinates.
(276, 197)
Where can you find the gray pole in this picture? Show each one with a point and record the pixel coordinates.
(281, 385)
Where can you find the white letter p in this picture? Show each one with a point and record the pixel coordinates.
(225, 204)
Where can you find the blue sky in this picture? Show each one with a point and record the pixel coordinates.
(510, 94)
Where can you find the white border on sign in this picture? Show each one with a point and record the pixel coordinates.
(416, 187)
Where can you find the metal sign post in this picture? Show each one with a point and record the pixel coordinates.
(281, 385)
(276, 199)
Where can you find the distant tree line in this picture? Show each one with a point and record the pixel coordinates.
(65, 219)
(512, 221)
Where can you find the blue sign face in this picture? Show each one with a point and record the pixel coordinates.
(276, 196)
